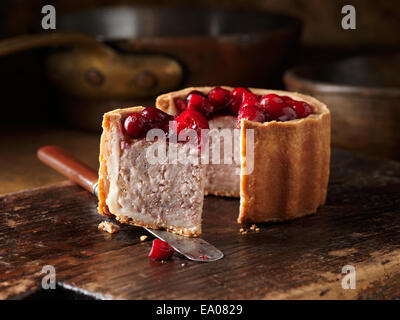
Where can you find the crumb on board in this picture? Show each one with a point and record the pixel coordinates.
(108, 227)
(143, 238)
(253, 227)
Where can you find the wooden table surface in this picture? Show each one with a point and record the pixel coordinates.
(303, 259)
(20, 168)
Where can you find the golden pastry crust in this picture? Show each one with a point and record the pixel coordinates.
(105, 153)
(291, 166)
(177, 230)
(291, 161)
(103, 182)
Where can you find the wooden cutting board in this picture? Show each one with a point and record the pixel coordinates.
(359, 226)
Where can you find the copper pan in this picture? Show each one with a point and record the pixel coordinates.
(119, 56)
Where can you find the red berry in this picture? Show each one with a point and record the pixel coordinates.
(302, 109)
(156, 118)
(219, 97)
(287, 113)
(194, 101)
(190, 119)
(237, 99)
(287, 99)
(273, 105)
(250, 112)
(199, 103)
(195, 92)
(161, 250)
(134, 125)
(250, 98)
(181, 105)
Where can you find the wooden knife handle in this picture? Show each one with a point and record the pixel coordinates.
(69, 166)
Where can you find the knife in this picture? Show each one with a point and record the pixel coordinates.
(195, 249)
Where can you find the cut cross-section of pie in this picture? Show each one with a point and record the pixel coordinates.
(142, 191)
(290, 151)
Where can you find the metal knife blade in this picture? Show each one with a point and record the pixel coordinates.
(195, 249)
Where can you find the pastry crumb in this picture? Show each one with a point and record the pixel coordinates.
(244, 232)
(241, 230)
(253, 227)
(257, 229)
(143, 238)
(108, 227)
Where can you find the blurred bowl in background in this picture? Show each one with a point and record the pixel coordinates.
(213, 47)
(363, 94)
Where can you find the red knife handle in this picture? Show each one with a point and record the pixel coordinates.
(69, 166)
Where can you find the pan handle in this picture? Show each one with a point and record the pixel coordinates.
(95, 71)
(69, 166)
(27, 42)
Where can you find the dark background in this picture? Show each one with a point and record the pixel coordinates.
(25, 87)
(377, 21)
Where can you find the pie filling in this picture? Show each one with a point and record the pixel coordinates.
(286, 188)
(197, 109)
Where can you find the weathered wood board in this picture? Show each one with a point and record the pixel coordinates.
(358, 226)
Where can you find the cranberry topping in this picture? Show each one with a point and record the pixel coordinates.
(199, 103)
(287, 99)
(302, 109)
(219, 98)
(272, 104)
(287, 114)
(160, 250)
(249, 98)
(156, 118)
(277, 107)
(190, 119)
(195, 92)
(135, 125)
(181, 105)
(270, 107)
(237, 99)
(250, 112)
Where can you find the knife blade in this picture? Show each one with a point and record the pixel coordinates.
(194, 249)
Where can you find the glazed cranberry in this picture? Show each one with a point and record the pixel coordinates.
(237, 99)
(190, 119)
(199, 103)
(250, 98)
(156, 118)
(195, 92)
(181, 104)
(302, 109)
(273, 105)
(272, 98)
(287, 99)
(161, 250)
(195, 101)
(287, 113)
(250, 112)
(219, 97)
(193, 120)
(135, 125)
